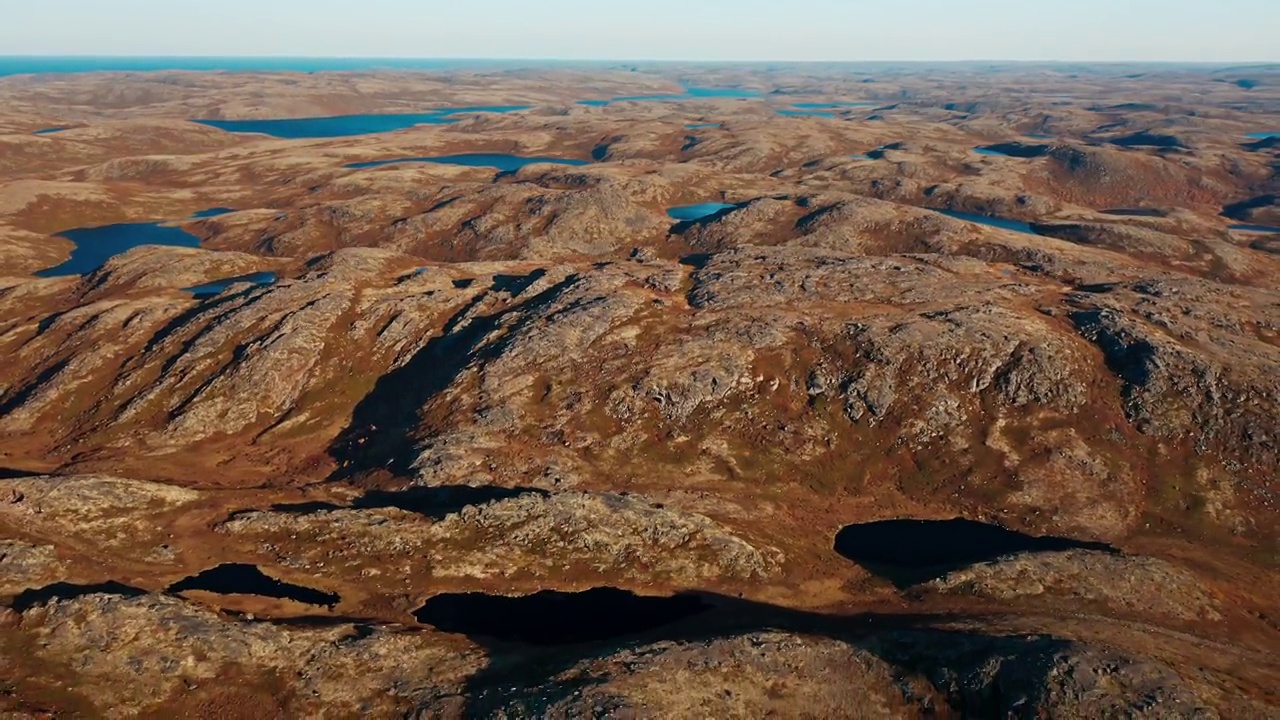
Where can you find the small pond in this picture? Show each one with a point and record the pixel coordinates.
(502, 162)
(691, 213)
(1002, 223)
(217, 287)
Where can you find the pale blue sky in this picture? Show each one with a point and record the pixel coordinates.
(1193, 30)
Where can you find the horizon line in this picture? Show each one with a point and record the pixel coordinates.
(468, 58)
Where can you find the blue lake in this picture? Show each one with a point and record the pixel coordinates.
(505, 163)
(831, 105)
(49, 131)
(690, 93)
(710, 92)
(218, 286)
(995, 222)
(807, 113)
(691, 213)
(95, 246)
(989, 151)
(1256, 228)
(701, 126)
(1263, 135)
(212, 212)
(347, 125)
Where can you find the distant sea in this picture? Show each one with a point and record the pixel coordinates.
(23, 65)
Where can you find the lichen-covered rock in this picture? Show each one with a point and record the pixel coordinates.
(1138, 585)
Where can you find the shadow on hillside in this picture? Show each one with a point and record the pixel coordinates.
(533, 640)
(381, 432)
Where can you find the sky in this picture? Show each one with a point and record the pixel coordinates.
(822, 30)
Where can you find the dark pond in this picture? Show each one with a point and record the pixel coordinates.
(1002, 223)
(700, 126)
(689, 213)
(49, 131)
(28, 599)
(1256, 228)
(241, 579)
(345, 125)
(436, 503)
(989, 151)
(1263, 135)
(505, 163)
(95, 246)
(556, 618)
(907, 552)
(218, 286)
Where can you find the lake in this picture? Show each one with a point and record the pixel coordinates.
(348, 125)
(218, 286)
(95, 246)
(701, 126)
(211, 212)
(692, 213)
(989, 151)
(831, 105)
(1263, 135)
(807, 113)
(690, 93)
(1256, 228)
(995, 222)
(49, 131)
(505, 163)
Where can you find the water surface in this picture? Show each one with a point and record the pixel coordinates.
(690, 213)
(1002, 223)
(690, 93)
(831, 105)
(50, 131)
(217, 287)
(1263, 135)
(1244, 227)
(212, 212)
(96, 245)
(348, 125)
(711, 92)
(701, 126)
(807, 113)
(242, 579)
(505, 163)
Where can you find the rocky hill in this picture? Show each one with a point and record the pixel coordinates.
(952, 406)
